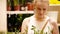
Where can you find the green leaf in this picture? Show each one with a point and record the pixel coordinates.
(33, 27)
(16, 2)
(46, 32)
(41, 32)
(8, 2)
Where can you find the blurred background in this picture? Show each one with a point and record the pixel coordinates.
(13, 12)
(15, 21)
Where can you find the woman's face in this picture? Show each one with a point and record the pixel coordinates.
(40, 9)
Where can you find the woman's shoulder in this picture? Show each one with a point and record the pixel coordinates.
(26, 20)
(53, 22)
(54, 25)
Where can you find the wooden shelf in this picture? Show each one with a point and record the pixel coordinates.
(20, 12)
(28, 12)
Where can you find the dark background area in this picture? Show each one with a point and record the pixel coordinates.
(14, 21)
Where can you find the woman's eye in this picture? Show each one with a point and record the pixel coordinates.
(39, 9)
(44, 9)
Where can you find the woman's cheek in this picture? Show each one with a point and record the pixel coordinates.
(45, 12)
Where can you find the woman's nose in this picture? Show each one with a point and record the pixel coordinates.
(41, 11)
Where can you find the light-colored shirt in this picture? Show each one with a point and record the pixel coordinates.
(38, 26)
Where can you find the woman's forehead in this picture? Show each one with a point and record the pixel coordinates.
(43, 5)
(41, 0)
(40, 3)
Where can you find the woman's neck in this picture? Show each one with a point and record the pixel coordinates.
(40, 18)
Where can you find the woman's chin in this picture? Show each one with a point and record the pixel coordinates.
(40, 16)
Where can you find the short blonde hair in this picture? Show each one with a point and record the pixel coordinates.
(35, 1)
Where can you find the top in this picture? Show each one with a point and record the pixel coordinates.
(38, 26)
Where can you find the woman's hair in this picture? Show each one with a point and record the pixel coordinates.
(35, 1)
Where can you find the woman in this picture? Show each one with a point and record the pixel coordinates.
(40, 23)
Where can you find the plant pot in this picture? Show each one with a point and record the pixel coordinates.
(22, 8)
(8, 8)
(17, 8)
(30, 6)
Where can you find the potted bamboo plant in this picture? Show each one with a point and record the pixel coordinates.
(23, 4)
(30, 5)
(8, 5)
(16, 5)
